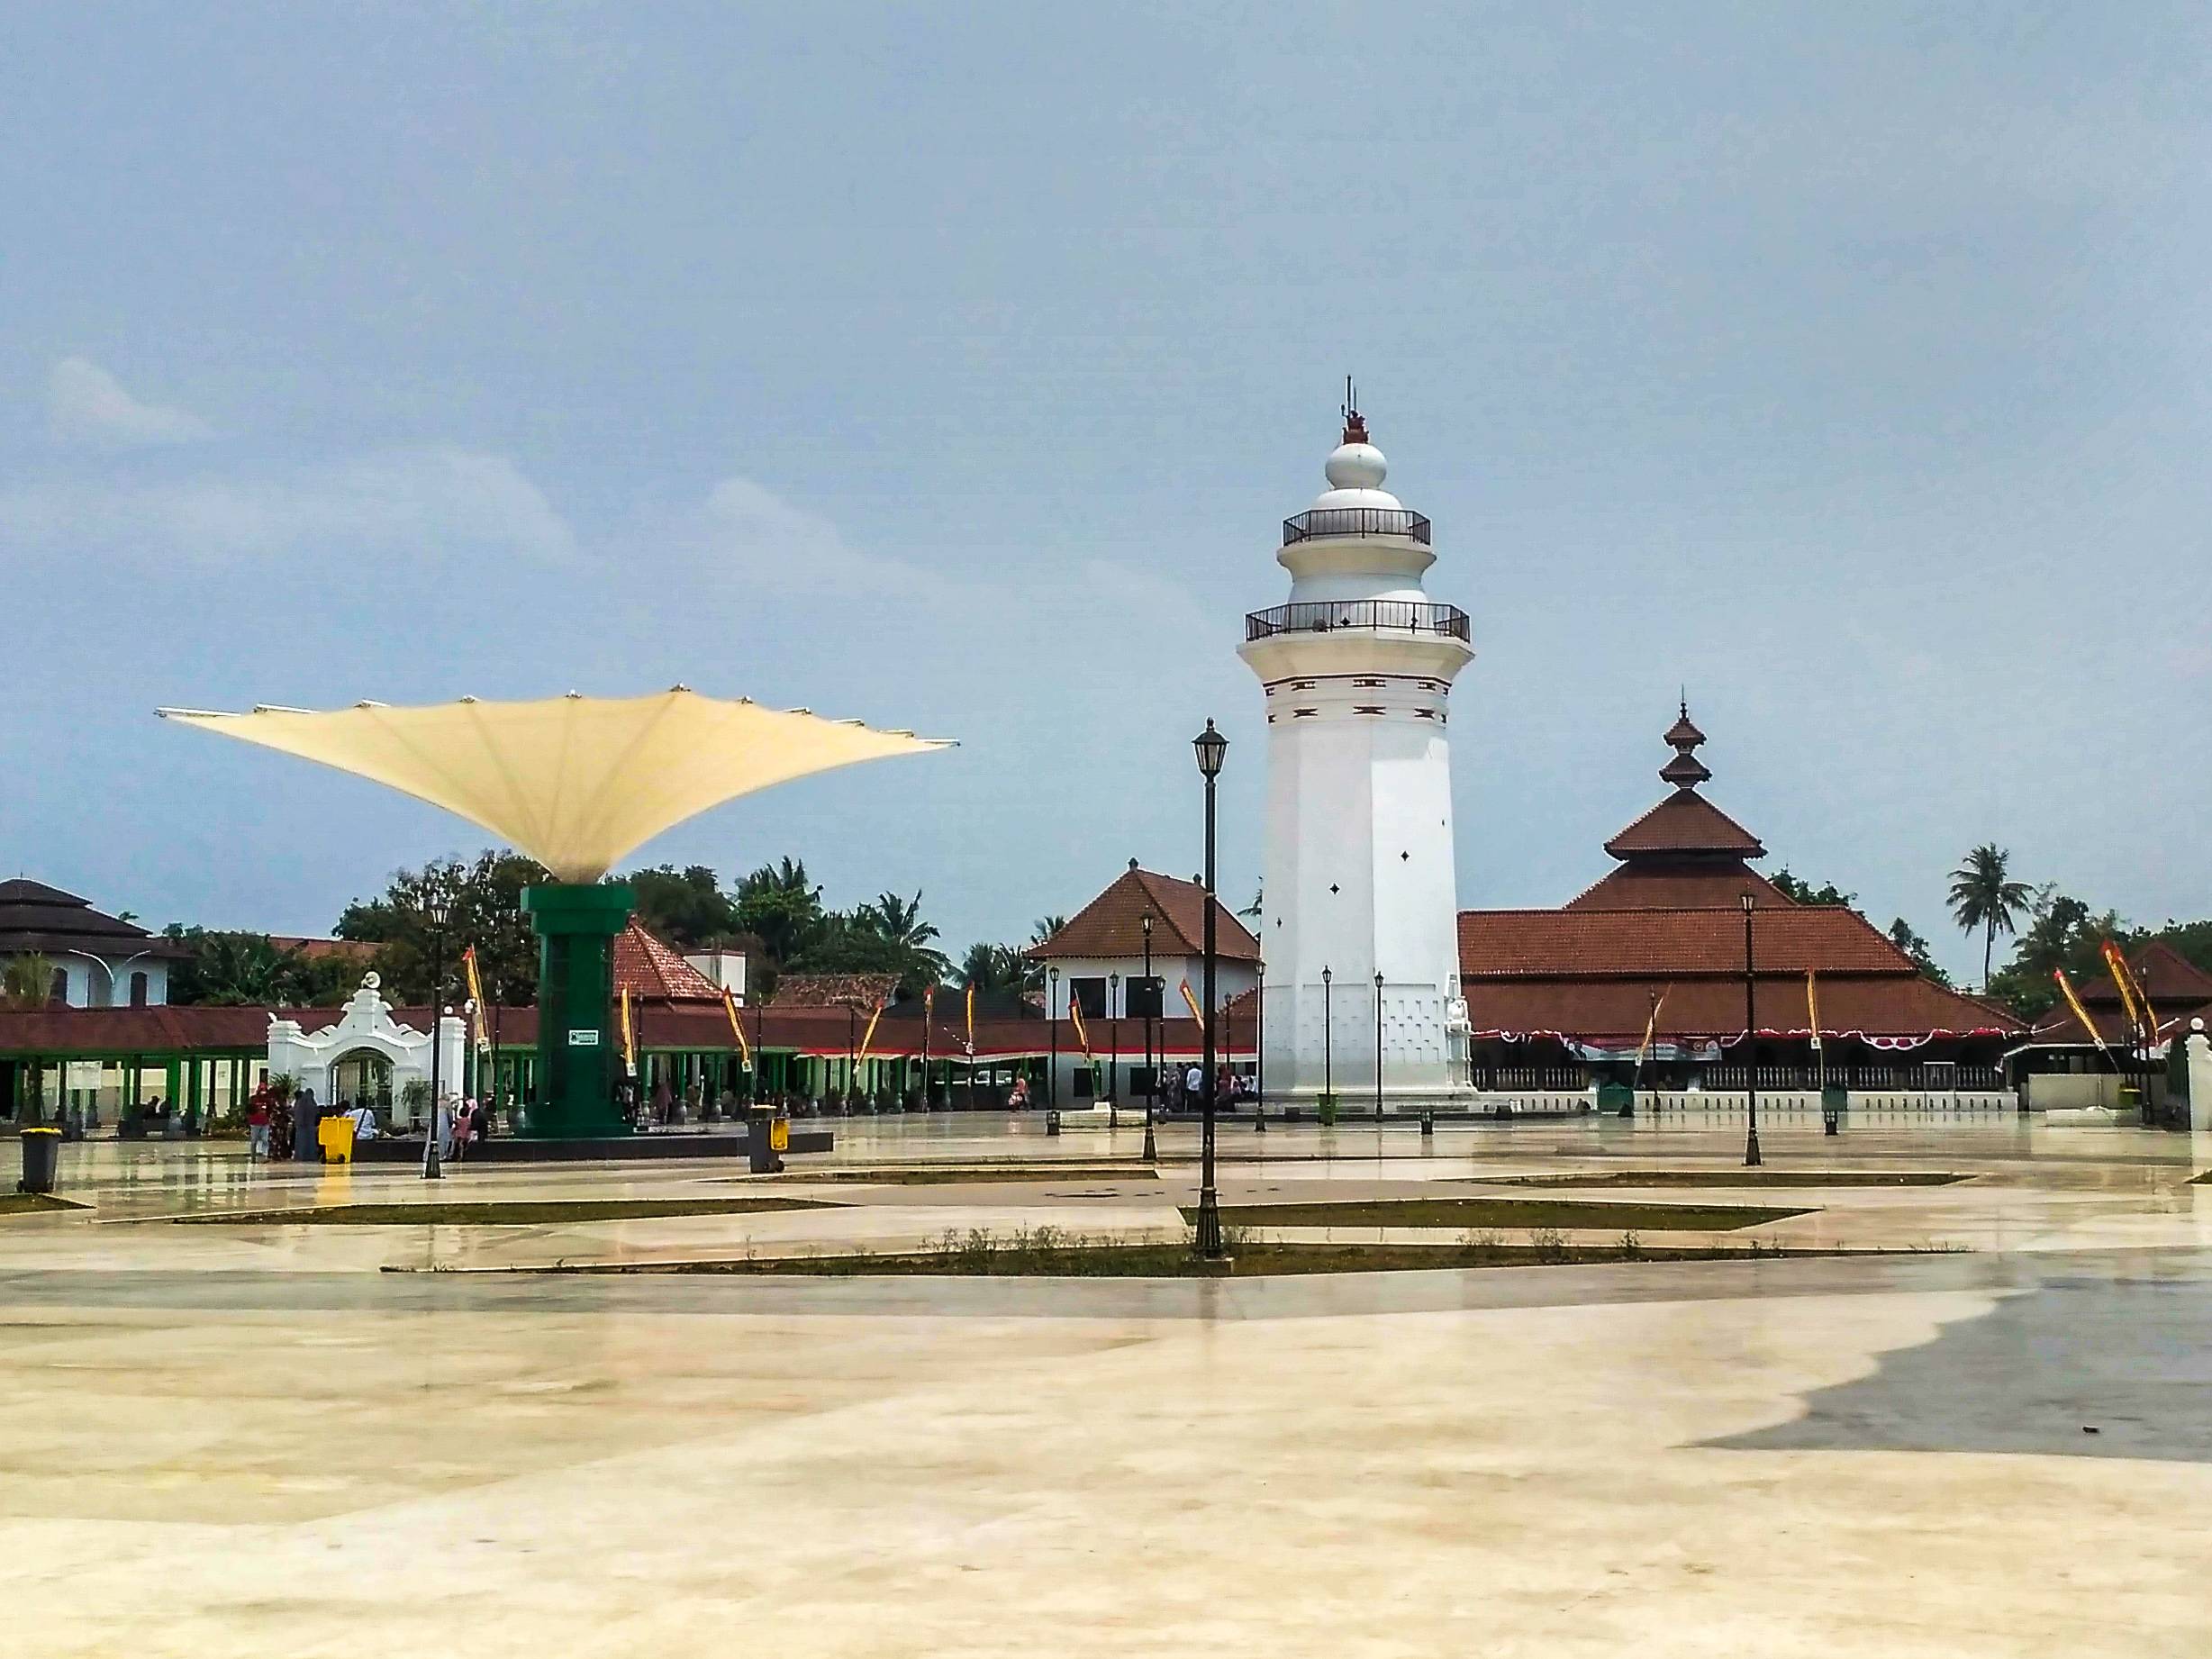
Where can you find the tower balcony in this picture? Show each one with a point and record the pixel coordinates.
(1374, 615)
(1328, 522)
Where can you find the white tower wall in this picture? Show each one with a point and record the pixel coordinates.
(1359, 875)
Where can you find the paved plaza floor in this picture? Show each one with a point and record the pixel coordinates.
(252, 1439)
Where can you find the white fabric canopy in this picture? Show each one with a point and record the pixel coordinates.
(575, 782)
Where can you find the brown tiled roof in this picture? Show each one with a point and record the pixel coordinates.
(1610, 944)
(1685, 823)
(34, 917)
(362, 951)
(1658, 885)
(1113, 923)
(650, 970)
(838, 990)
(1612, 1012)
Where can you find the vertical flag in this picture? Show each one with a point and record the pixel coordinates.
(629, 1037)
(2066, 989)
(1191, 1001)
(737, 1027)
(869, 1034)
(1074, 1013)
(476, 994)
(1812, 1006)
(971, 1022)
(2132, 995)
(1651, 1028)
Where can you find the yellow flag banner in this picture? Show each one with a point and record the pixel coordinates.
(1812, 1006)
(2133, 997)
(868, 1036)
(1190, 1002)
(2066, 989)
(1074, 1013)
(737, 1026)
(629, 1037)
(1651, 1027)
(476, 992)
(971, 1021)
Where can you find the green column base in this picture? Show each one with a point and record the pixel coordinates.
(579, 1051)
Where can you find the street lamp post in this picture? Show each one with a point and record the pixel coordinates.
(1328, 1040)
(1378, 1047)
(437, 909)
(1152, 1062)
(1113, 1060)
(1212, 749)
(1052, 1018)
(852, 1054)
(1751, 1049)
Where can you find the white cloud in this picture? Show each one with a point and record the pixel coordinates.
(87, 404)
(418, 501)
(754, 534)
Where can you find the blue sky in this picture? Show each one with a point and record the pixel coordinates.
(952, 368)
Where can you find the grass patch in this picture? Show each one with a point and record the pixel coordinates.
(520, 1213)
(35, 1203)
(953, 1175)
(1724, 1178)
(1515, 1212)
(1045, 1252)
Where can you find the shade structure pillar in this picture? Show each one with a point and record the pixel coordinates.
(578, 1053)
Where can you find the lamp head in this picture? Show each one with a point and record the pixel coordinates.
(438, 908)
(1212, 749)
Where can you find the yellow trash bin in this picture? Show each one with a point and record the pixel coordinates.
(334, 1136)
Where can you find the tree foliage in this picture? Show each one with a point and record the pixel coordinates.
(1802, 892)
(1903, 936)
(1985, 895)
(485, 897)
(230, 969)
(687, 906)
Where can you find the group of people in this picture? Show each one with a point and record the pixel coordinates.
(280, 1126)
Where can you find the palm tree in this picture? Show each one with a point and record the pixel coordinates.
(1045, 927)
(900, 921)
(1984, 895)
(27, 982)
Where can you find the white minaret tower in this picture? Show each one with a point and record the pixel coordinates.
(1358, 669)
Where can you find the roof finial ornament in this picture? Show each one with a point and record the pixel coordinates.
(1354, 428)
(1685, 771)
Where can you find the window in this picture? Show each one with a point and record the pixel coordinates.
(58, 992)
(138, 989)
(1144, 999)
(1090, 996)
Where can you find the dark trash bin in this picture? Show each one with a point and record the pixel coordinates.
(41, 1155)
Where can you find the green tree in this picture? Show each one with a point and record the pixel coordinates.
(228, 969)
(1984, 895)
(1045, 927)
(27, 981)
(1923, 954)
(2061, 933)
(779, 906)
(687, 906)
(485, 895)
(998, 967)
(1804, 892)
(900, 921)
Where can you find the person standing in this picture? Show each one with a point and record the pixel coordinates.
(306, 1119)
(257, 1108)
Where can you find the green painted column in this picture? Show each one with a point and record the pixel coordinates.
(579, 1048)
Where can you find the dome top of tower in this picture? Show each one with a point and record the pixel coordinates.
(1355, 469)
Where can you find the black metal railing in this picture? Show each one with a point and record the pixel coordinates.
(1355, 521)
(1321, 616)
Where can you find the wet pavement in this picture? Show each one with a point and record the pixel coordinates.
(251, 1439)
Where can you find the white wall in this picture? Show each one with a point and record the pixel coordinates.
(90, 979)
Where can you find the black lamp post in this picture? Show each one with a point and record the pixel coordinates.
(1152, 1062)
(1113, 1060)
(437, 910)
(1751, 1049)
(1212, 749)
(1052, 1018)
(1378, 1047)
(1328, 1039)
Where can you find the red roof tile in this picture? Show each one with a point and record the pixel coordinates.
(1593, 943)
(652, 971)
(1659, 886)
(1112, 924)
(1612, 1012)
(1685, 823)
